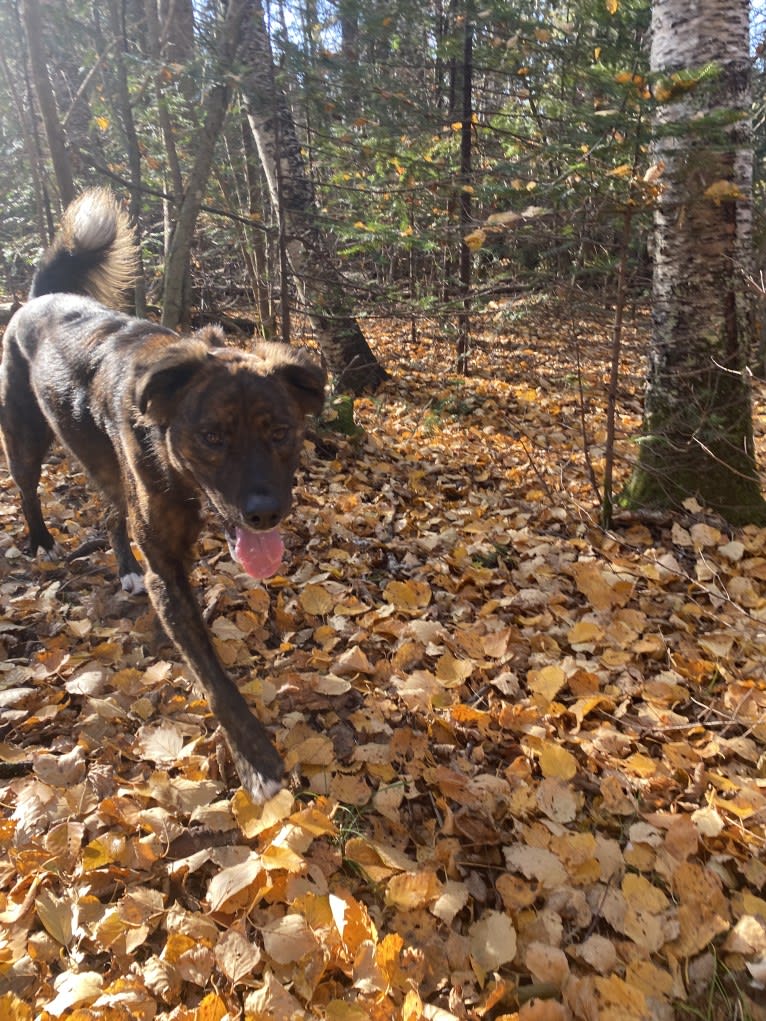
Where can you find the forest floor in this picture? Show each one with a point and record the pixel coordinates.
(528, 767)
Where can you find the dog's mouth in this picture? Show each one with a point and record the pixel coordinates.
(259, 553)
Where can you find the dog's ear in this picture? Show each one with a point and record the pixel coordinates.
(158, 387)
(297, 370)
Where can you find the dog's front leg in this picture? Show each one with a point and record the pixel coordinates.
(258, 764)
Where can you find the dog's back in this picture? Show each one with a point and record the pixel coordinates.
(93, 253)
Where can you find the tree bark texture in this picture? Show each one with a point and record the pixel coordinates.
(118, 77)
(54, 132)
(320, 283)
(214, 114)
(698, 435)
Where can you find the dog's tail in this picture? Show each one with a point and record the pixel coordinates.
(94, 251)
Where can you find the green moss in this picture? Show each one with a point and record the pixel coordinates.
(667, 474)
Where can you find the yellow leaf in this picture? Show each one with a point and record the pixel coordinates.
(408, 595)
(724, 191)
(316, 600)
(451, 672)
(412, 1008)
(254, 819)
(640, 893)
(211, 1008)
(314, 821)
(12, 1009)
(704, 910)
(505, 219)
(453, 898)
(547, 682)
(282, 859)
(352, 661)
(411, 890)
(603, 589)
(339, 1010)
(352, 921)
(619, 1001)
(557, 761)
(233, 880)
(56, 915)
(475, 239)
(317, 750)
(547, 964)
(612, 6)
(97, 854)
(585, 632)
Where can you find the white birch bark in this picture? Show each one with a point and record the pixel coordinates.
(698, 421)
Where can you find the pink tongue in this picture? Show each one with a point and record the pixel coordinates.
(260, 553)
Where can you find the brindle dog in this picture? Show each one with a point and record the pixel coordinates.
(159, 421)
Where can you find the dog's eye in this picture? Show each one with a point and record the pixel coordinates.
(212, 438)
(279, 434)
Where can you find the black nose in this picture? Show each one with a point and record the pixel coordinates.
(262, 510)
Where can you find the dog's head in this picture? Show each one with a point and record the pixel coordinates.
(233, 423)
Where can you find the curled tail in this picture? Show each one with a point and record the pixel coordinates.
(94, 251)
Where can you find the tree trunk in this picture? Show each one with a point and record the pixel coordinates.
(53, 131)
(118, 79)
(321, 286)
(466, 136)
(174, 309)
(698, 433)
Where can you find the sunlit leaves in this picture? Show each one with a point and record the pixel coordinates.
(524, 755)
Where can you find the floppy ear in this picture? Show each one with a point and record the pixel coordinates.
(296, 368)
(158, 388)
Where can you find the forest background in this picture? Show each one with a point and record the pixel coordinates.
(527, 750)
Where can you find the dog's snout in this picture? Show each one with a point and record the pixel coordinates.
(262, 510)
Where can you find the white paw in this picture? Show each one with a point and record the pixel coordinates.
(133, 583)
(52, 555)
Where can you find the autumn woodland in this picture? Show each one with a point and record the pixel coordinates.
(515, 656)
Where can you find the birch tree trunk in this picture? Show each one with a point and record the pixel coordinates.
(318, 278)
(698, 434)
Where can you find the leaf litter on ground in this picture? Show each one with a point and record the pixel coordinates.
(526, 754)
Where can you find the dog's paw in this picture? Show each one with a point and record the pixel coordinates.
(262, 779)
(51, 556)
(133, 583)
(260, 789)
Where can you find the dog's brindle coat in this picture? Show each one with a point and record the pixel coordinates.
(158, 421)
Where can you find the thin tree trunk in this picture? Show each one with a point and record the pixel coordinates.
(54, 133)
(698, 433)
(256, 239)
(466, 134)
(33, 155)
(163, 114)
(216, 105)
(321, 286)
(122, 93)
